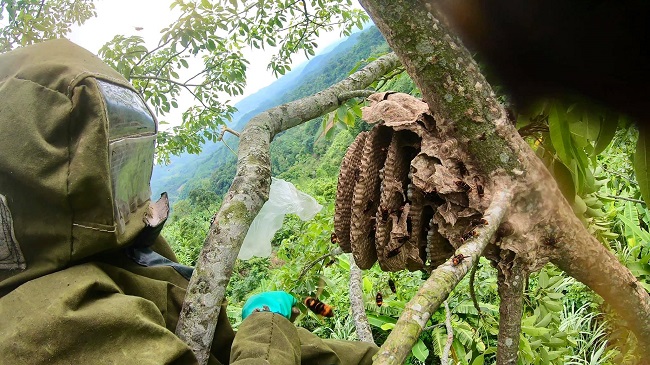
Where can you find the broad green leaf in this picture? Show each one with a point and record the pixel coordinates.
(420, 351)
(634, 228)
(543, 279)
(479, 360)
(564, 179)
(439, 337)
(607, 131)
(535, 331)
(560, 134)
(579, 206)
(641, 160)
(459, 352)
(387, 326)
(639, 269)
(367, 285)
(380, 320)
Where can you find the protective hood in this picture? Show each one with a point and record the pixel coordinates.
(75, 160)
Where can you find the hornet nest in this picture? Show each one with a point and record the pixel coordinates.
(406, 196)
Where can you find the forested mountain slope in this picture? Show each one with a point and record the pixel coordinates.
(216, 162)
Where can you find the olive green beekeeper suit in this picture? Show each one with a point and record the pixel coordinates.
(84, 276)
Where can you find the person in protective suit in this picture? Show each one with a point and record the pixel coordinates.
(85, 277)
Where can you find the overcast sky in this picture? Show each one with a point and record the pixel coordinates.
(124, 16)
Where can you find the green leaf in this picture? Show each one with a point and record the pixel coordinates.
(459, 351)
(607, 131)
(479, 360)
(564, 179)
(420, 351)
(543, 279)
(535, 331)
(387, 326)
(560, 134)
(641, 160)
(367, 285)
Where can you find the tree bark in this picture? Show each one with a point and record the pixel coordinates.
(511, 279)
(466, 108)
(435, 290)
(444, 360)
(356, 304)
(247, 194)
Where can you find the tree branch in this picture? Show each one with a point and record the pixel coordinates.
(163, 79)
(247, 194)
(337, 251)
(356, 303)
(356, 94)
(435, 290)
(444, 360)
(465, 108)
(625, 198)
(511, 279)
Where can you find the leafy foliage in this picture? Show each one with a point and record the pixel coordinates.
(31, 21)
(215, 33)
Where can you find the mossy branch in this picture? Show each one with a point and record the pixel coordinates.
(357, 304)
(466, 108)
(442, 281)
(247, 194)
(511, 279)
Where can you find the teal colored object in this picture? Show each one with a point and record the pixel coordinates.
(271, 301)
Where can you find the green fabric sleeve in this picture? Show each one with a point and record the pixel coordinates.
(266, 338)
(81, 316)
(316, 351)
(269, 338)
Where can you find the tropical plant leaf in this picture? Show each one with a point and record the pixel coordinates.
(439, 336)
(420, 351)
(560, 134)
(607, 132)
(564, 179)
(459, 352)
(641, 160)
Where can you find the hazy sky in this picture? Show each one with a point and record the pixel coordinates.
(123, 16)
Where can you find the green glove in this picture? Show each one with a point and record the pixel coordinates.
(272, 301)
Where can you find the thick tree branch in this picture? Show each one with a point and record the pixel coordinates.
(435, 290)
(466, 108)
(511, 279)
(247, 194)
(356, 303)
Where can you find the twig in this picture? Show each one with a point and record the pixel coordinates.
(231, 150)
(444, 360)
(356, 304)
(225, 129)
(624, 198)
(472, 291)
(335, 252)
(163, 79)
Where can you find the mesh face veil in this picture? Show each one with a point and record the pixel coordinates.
(132, 137)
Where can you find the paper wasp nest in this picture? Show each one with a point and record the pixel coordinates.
(405, 197)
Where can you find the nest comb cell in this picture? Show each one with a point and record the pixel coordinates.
(348, 176)
(365, 199)
(395, 243)
(398, 195)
